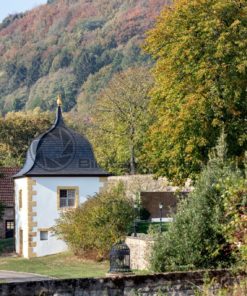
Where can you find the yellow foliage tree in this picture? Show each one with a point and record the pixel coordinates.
(17, 130)
(120, 119)
(200, 84)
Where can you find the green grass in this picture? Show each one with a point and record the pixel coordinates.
(143, 227)
(7, 245)
(64, 265)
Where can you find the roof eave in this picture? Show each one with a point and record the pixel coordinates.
(63, 175)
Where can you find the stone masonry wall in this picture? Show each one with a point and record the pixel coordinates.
(145, 183)
(140, 249)
(169, 284)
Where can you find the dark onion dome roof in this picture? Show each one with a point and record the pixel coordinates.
(60, 152)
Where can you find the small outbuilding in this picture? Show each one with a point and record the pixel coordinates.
(60, 172)
(7, 223)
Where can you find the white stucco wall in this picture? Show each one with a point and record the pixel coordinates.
(21, 215)
(47, 208)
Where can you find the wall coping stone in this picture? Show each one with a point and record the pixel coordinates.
(140, 237)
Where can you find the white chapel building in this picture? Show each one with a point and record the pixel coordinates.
(60, 172)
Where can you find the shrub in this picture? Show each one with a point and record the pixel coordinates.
(7, 245)
(154, 228)
(196, 238)
(235, 204)
(101, 221)
(235, 289)
(144, 214)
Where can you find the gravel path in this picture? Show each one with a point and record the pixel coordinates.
(14, 276)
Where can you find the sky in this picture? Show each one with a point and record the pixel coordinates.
(13, 6)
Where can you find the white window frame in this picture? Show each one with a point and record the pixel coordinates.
(67, 198)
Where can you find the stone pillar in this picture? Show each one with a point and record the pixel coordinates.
(140, 251)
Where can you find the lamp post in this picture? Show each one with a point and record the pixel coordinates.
(161, 208)
(135, 207)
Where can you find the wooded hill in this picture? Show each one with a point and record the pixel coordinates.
(71, 47)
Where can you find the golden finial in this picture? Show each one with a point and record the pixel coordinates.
(59, 100)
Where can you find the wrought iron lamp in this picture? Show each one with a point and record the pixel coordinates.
(161, 208)
(120, 259)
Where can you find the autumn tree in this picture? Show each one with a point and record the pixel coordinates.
(200, 84)
(120, 119)
(17, 130)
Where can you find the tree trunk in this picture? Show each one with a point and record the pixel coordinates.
(132, 160)
(132, 151)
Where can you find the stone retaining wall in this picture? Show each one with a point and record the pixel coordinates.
(145, 183)
(169, 284)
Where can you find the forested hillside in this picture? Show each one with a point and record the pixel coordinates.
(72, 47)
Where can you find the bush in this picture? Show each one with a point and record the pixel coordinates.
(7, 245)
(144, 214)
(154, 228)
(235, 204)
(196, 238)
(92, 228)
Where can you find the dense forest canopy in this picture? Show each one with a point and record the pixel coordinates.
(72, 47)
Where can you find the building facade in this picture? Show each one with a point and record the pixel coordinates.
(59, 174)
(7, 199)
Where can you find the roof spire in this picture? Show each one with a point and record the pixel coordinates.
(59, 100)
(59, 116)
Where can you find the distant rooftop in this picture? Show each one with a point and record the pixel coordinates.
(7, 185)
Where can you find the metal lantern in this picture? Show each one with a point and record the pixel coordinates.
(120, 258)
